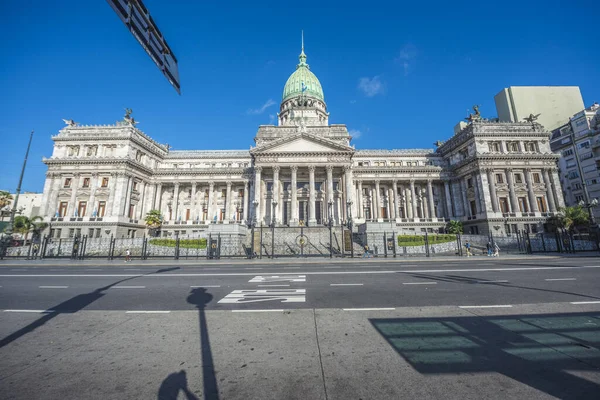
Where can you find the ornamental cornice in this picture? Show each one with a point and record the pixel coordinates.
(201, 172)
(98, 161)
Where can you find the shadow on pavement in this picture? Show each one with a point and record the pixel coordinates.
(200, 298)
(540, 351)
(480, 281)
(70, 306)
(173, 384)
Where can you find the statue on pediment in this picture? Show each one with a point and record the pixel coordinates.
(70, 122)
(476, 116)
(532, 118)
(128, 118)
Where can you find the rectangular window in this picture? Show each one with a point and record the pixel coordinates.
(578, 198)
(495, 147)
(101, 208)
(534, 228)
(499, 178)
(567, 153)
(62, 209)
(58, 233)
(504, 205)
(584, 145)
(135, 185)
(71, 232)
(541, 203)
(187, 214)
(104, 182)
(91, 233)
(536, 177)
(81, 208)
(518, 178)
(86, 182)
(473, 207)
(67, 182)
(131, 211)
(523, 204)
(98, 232)
(470, 182)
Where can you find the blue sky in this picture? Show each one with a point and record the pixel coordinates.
(400, 75)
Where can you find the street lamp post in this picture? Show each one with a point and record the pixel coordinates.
(589, 206)
(9, 230)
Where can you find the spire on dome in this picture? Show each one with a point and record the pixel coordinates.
(302, 56)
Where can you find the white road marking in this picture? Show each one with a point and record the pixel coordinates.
(132, 269)
(273, 285)
(253, 268)
(128, 287)
(203, 286)
(252, 296)
(369, 309)
(291, 267)
(498, 281)
(278, 310)
(346, 284)
(419, 283)
(560, 279)
(370, 272)
(31, 311)
(53, 287)
(498, 306)
(147, 312)
(332, 267)
(585, 302)
(277, 278)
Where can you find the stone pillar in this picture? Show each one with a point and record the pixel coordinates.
(359, 206)
(449, 212)
(257, 196)
(530, 192)
(395, 199)
(73, 200)
(245, 204)
(47, 195)
(111, 204)
(157, 197)
(176, 200)
(294, 204)
(92, 202)
(139, 210)
(432, 213)
(349, 193)
(558, 196)
(211, 199)
(413, 199)
(478, 207)
(492, 189)
(275, 196)
(227, 216)
(514, 203)
(549, 190)
(465, 198)
(377, 201)
(312, 195)
(194, 213)
(329, 169)
(150, 195)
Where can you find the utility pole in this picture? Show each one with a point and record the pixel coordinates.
(9, 229)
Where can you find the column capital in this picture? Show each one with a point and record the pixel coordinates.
(509, 169)
(377, 182)
(294, 168)
(94, 174)
(211, 184)
(228, 184)
(276, 168)
(311, 168)
(329, 168)
(245, 182)
(528, 170)
(347, 168)
(412, 181)
(176, 185)
(429, 181)
(258, 169)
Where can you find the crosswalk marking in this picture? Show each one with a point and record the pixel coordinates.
(278, 278)
(252, 296)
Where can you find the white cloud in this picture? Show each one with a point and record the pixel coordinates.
(260, 110)
(407, 57)
(371, 86)
(271, 119)
(355, 133)
(352, 101)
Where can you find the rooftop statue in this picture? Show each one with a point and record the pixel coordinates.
(532, 118)
(128, 118)
(476, 116)
(70, 122)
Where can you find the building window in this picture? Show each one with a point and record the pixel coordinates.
(104, 182)
(534, 228)
(530, 146)
(98, 232)
(91, 233)
(584, 145)
(536, 177)
(494, 147)
(67, 182)
(81, 208)
(131, 210)
(513, 147)
(71, 233)
(578, 198)
(499, 178)
(135, 185)
(62, 209)
(567, 153)
(503, 204)
(58, 233)
(101, 208)
(86, 182)
(518, 178)
(541, 203)
(573, 175)
(470, 182)
(523, 204)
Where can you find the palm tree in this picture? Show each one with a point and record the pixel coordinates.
(569, 218)
(24, 225)
(5, 198)
(153, 220)
(454, 226)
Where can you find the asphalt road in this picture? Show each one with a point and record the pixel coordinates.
(368, 329)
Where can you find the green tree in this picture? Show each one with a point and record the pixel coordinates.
(153, 220)
(5, 198)
(454, 226)
(24, 225)
(570, 218)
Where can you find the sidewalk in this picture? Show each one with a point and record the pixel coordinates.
(53, 262)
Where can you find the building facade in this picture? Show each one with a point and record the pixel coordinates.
(578, 142)
(554, 104)
(495, 177)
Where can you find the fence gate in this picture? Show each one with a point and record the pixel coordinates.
(303, 241)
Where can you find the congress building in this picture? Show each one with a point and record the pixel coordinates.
(493, 176)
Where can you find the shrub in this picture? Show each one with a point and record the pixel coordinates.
(419, 240)
(183, 243)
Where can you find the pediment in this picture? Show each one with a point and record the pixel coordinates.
(302, 143)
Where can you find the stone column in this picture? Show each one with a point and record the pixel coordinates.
(432, 213)
(312, 195)
(257, 196)
(514, 203)
(275, 195)
(478, 207)
(377, 213)
(139, 211)
(157, 197)
(492, 189)
(245, 202)
(413, 199)
(73, 200)
(530, 192)
(359, 206)
(92, 202)
(194, 213)
(395, 199)
(47, 196)
(176, 200)
(465, 198)
(549, 190)
(329, 169)
(111, 204)
(349, 193)
(150, 195)
(228, 203)
(449, 212)
(211, 199)
(294, 204)
(558, 196)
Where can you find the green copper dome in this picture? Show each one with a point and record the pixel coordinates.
(303, 74)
